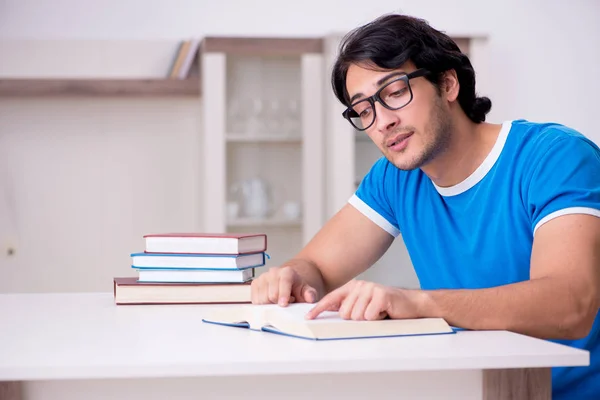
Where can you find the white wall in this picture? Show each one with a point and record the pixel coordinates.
(540, 59)
(166, 19)
(538, 62)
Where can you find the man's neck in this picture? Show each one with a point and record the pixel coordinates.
(469, 145)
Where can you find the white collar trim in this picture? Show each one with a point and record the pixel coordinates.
(482, 170)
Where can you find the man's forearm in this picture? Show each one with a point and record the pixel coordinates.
(545, 307)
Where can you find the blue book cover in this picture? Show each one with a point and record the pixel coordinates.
(195, 275)
(144, 260)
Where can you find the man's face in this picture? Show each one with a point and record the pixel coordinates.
(413, 135)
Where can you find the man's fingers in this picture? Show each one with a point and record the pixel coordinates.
(285, 289)
(378, 308)
(363, 299)
(303, 292)
(279, 286)
(374, 310)
(273, 290)
(309, 294)
(259, 292)
(347, 305)
(331, 302)
(263, 294)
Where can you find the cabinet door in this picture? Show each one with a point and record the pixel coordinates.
(263, 163)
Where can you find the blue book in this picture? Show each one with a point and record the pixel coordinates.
(290, 321)
(197, 261)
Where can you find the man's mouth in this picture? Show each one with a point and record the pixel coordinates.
(398, 140)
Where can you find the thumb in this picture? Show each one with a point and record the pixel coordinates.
(309, 294)
(305, 293)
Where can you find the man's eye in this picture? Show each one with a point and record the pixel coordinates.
(397, 93)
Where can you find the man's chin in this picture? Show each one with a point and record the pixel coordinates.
(405, 162)
(407, 166)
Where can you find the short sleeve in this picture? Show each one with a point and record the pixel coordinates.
(370, 198)
(566, 180)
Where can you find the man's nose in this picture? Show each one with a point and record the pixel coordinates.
(386, 120)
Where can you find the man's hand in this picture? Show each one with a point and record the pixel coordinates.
(282, 285)
(360, 300)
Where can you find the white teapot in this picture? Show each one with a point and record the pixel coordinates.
(255, 197)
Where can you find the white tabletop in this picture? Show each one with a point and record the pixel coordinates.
(77, 336)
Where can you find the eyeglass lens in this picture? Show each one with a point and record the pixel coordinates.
(395, 94)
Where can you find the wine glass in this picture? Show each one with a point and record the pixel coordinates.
(255, 125)
(291, 117)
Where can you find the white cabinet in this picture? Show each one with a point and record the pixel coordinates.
(262, 163)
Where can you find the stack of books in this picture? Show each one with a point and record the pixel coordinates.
(193, 268)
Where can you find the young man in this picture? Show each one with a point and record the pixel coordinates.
(501, 221)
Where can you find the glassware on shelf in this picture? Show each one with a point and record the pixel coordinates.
(254, 196)
(236, 117)
(273, 117)
(291, 117)
(258, 117)
(292, 210)
(255, 124)
(234, 202)
(233, 210)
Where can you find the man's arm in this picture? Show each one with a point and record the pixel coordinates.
(348, 244)
(561, 299)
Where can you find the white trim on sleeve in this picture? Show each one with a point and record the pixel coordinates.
(567, 211)
(373, 215)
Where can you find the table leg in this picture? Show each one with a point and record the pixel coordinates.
(517, 384)
(10, 391)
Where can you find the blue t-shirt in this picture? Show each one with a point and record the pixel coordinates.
(479, 233)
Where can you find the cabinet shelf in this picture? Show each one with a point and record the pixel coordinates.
(262, 45)
(10, 87)
(275, 222)
(267, 138)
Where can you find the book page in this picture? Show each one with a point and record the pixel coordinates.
(292, 320)
(297, 311)
(329, 324)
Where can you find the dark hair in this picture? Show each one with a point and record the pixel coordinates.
(391, 40)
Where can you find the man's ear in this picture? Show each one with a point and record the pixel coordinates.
(450, 85)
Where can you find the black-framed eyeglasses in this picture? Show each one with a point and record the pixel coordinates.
(394, 95)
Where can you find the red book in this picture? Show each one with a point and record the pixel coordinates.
(206, 243)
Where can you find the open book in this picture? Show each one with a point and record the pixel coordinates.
(329, 325)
